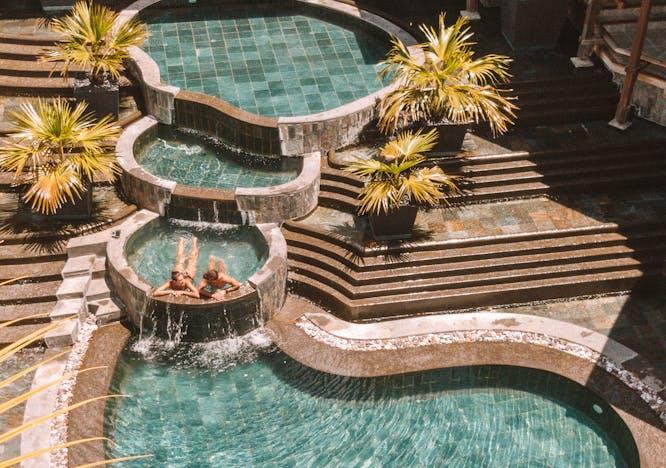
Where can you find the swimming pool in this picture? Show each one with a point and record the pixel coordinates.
(271, 61)
(231, 404)
(151, 251)
(194, 159)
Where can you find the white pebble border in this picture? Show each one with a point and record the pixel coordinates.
(646, 393)
(58, 434)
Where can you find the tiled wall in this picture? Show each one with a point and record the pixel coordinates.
(207, 114)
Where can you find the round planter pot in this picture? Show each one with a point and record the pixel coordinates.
(395, 225)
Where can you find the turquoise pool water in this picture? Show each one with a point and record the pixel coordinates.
(192, 159)
(276, 61)
(227, 405)
(151, 251)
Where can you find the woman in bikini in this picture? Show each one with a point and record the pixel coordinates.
(182, 276)
(214, 281)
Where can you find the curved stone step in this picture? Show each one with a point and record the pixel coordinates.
(461, 281)
(36, 272)
(30, 68)
(17, 254)
(19, 293)
(473, 297)
(17, 311)
(9, 335)
(22, 51)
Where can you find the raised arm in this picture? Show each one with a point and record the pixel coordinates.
(203, 292)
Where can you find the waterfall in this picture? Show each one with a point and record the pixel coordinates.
(248, 218)
(216, 213)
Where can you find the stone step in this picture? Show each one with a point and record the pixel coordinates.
(527, 189)
(571, 103)
(97, 289)
(341, 188)
(19, 293)
(22, 51)
(18, 254)
(459, 280)
(9, 335)
(35, 272)
(437, 265)
(472, 297)
(44, 39)
(569, 88)
(106, 310)
(31, 86)
(17, 311)
(335, 200)
(569, 172)
(565, 114)
(11, 67)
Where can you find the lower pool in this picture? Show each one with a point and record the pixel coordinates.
(231, 404)
(191, 158)
(151, 251)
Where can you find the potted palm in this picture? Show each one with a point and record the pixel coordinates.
(396, 184)
(439, 84)
(55, 153)
(92, 42)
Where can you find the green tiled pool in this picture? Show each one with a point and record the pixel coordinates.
(281, 61)
(226, 404)
(190, 158)
(151, 251)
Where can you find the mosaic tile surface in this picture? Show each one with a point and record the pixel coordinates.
(271, 411)
(271, 63)
(189, 160)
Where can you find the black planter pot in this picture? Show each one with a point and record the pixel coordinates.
(533, 24)
(80, 209)
(102, 99)
(450, 136)
(395, 225)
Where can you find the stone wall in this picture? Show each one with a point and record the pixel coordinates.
(189, 319)
(293, 199)
(241, 129)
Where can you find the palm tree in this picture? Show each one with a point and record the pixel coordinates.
(441, 80)
(92, 42)
(395, 179)
(60, 149)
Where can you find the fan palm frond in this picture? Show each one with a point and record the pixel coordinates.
(58, 146)
(441, 79)
(395, 176)
(92, 42)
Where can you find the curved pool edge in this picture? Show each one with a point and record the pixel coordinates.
(264, 291)
(293, 199)
(619, 376)
(296, 135)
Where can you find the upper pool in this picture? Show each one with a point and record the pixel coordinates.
(271, 61)
(264, 409)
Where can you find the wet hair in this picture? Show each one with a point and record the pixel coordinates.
(175, 274)
(211, 275)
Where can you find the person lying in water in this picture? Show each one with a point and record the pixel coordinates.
(215, 281)
(182, 276)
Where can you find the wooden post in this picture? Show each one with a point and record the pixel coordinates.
(472, 10)
(620, 120)
(587, 37)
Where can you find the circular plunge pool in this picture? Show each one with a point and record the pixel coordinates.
(151, 251)
(243, 407)
(191, 158)
(285, 60)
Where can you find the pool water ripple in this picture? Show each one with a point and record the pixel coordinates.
(260, 408)
(282, 61)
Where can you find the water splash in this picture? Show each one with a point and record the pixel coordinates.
(182, 147)
(217, 355)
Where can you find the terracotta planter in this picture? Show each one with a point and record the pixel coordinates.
(102, 100)
(395, 225)
(533, 24)
(450, 136)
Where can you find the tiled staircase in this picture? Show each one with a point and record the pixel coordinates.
(22, 74)
(585, 168)
(363, 283)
